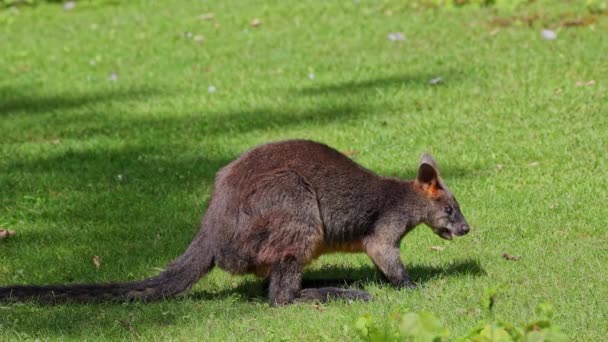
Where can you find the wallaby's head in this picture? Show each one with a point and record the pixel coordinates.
(443, 213)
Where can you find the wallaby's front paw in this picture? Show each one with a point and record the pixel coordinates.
(412, 286)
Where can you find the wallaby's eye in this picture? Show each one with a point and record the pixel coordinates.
(448, 210)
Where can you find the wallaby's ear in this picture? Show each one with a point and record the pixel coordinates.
(428, 175)
(428, 159)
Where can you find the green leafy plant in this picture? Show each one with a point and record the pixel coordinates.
(419, 327)
(426, 327)
(422, 327)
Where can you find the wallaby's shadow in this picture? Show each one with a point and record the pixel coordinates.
(256, 289)
(367, 274)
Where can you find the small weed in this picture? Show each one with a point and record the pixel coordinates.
(426, 327)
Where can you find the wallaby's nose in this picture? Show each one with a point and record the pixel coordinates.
(464, 229)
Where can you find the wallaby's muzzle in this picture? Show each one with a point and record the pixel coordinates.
(463, 230)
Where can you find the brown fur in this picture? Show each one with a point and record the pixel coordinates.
(280, 206)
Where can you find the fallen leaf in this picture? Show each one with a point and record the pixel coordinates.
(500, 166)
(553, 206)
(534, 164)
(529, 19)
(96, 261)
(583, 83)
(4, 233)
(388, 12)
(199, 38)
(207, 16)
(558, 91)
(255, 22)
(501, 22)
(350, 153)
(508, 256)
(318, 307)
(494, 32)
(585, 21)
(515, 20)
(437, 248)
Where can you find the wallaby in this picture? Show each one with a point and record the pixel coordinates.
(278, 207)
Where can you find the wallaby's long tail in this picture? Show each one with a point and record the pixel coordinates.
(179, 276)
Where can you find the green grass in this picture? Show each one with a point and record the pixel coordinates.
(509, 98)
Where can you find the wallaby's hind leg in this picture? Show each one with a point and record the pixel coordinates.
(285, 287)
(285, 282)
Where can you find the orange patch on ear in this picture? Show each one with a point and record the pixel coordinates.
(433, 191)
(430, 190)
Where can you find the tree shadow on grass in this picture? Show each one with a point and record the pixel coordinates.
(13, 101)
(209, 123)
(163, 126)
(88, 210)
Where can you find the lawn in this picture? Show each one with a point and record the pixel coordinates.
(114, 118)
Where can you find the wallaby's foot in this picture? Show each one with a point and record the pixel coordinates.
(324, 294)
(408, 285)
(388, 261)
